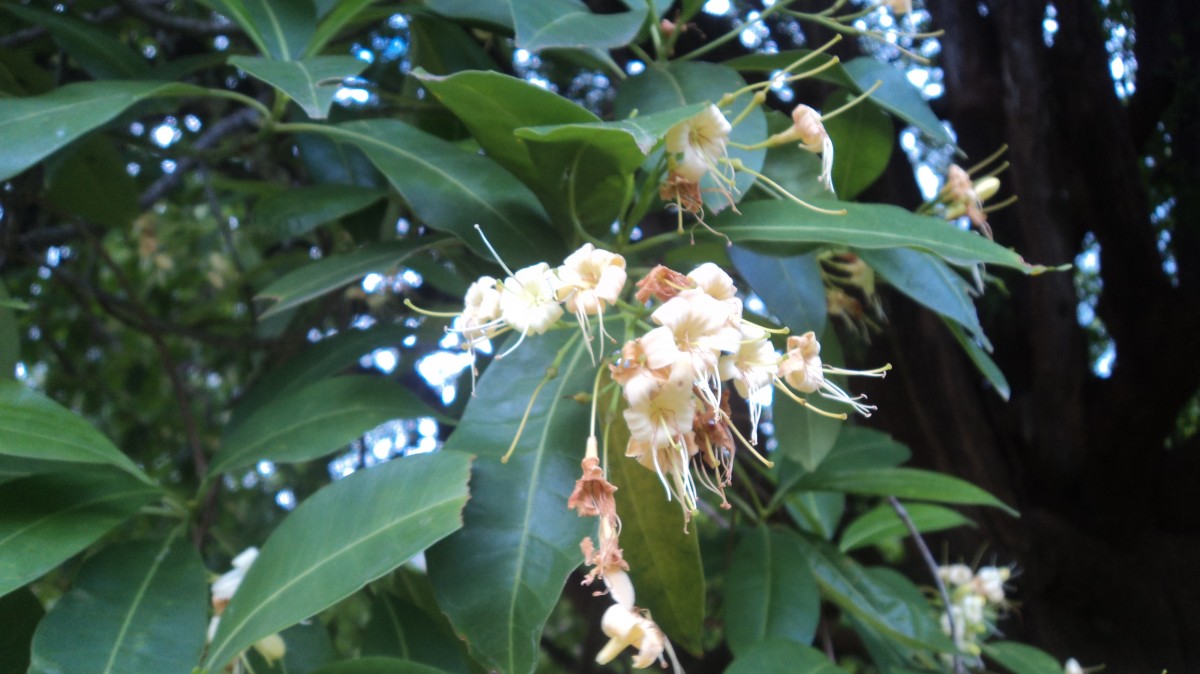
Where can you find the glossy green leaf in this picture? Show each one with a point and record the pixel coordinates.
(316, 420)
(804, 436)
(280, 30)
(493, 106)
(777, 655)
(45, 519)
(817, 512)
(865, 226)
(664, 561)
(928, 281)
(921, 485)
(92, 48)
(135, 607)
(861, 448)
(295, 212)
(402, 629)
(588, 168)
(862, 141)
(377, 666)
(345, 535)
(330, 161)
(10, 337)
(452, 190)
(519, 539)
(35, 427)
(983, 362)
(904, 590)
(881, 523)
(328, 274)
(547, 24)
(896, 95)
(857, 592)
(663, 88)
(36, 126)
(491, 12)
(1021, 658)
(768, 595)
(20, 613)
(343, 13)
(326, 358)
(791, 287)
(311, 83)
(442, 47)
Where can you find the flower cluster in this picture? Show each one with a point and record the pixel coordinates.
(673, 380)
(271, 647)
(977, 600)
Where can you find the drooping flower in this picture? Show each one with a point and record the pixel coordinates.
(480, 318)
(645, 363)
(703, 327)
(808, 130)
(963, 196)
(590, 280)
(803, 370)
(625, 627)
(752, 368)
(696, 146)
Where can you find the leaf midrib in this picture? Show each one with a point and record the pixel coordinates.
(137, 598)
(78, 506)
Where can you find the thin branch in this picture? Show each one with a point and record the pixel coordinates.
(214, 134)
(932, 564)
(183, 24)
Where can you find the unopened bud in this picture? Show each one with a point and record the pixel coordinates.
(271, 648)
(986, 188)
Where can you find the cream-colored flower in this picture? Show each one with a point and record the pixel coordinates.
(625, 627)
(989, 582)
(703, 327)
(645, 363)
(223, 588)
(271, 648)
(714, 282)
(899, 7)
(480, 318)
(529, 301)
(956, 574)
(803, 370)
(808, 130)
(590, 280)
(752, 368)
(696, 145)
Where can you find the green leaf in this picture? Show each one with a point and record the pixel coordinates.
(492, 12)
(804, 436)
(316, 420)
(443, 47)
(587, 169)
(400, 628)
(311, 83)
(35, 427)
(326, 275)
(817, 512)
(983, 362)
(896, 95)
(664, 560)
(452, 190)
(546, 24)
(377, 666)
(921, 485)
(329, 161)
(663, 88)
(135, 607)
(296, 212)
(339, 539)
(493, 106)
(93, 49)
(860, 448)
(519, 539)
(343, 14)
(326, 358)
(928, 281)
(777, 655)
(280, 30)
(857, 592)
(865, 226)
(862, 141)
(35, 127)
(767, 594)
(1021, 658)
(20, 613)
(882, 524)
(791, 287)
(10, 336)
(44, 519)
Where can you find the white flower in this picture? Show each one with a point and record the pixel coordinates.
(223, 588)
(956, 574)
(803, 370)
(972, 606)
(1072, 666)
(529, 302)
(591, 279)
(989, 582)
(752, 368)
(481, 310)
(627, 627)
(645, 363)
(714, 282)
(703, 327)
(814, 138)
(696, 145)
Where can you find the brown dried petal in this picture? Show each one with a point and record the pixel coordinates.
(662, 283)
